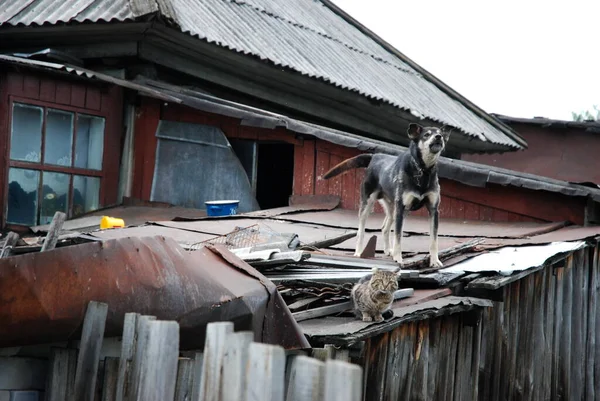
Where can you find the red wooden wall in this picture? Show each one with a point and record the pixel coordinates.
(313, 157)
(46, 90)
(568, 154)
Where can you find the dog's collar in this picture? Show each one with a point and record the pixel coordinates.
(419, 171)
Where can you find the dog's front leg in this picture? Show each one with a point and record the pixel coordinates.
(399, 219)
(366, 207)
(434, 260)
(387, 226)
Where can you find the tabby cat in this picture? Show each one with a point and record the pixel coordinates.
(374, 294)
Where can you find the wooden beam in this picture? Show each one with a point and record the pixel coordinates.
(9, 244)
(235, 360)
(214, 350)
(266, 373)
(343, 381)
(111, 373)
(61, 374)
(185, 377)
(89, 351)
(54, 231)
(306, 379)
(128, 342)
(158, 369)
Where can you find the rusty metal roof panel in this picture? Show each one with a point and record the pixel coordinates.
(43, 296)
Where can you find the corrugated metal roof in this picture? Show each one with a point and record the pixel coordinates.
(303, 35)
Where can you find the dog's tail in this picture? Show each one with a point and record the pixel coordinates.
(348, 164)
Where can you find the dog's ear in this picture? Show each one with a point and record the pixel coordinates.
(414, 131)
(446, 130)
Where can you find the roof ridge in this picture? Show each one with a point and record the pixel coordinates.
(321, 33)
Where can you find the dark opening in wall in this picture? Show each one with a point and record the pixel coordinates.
(275, 174)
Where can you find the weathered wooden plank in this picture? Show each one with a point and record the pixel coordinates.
(597, 329)
(394, 360)
(54, 231)
(463, 362)
(343, 381)
(141, 337)
(524, 368)
(558, 321)
(435, 356)
(342, 354)
(306, 379)
(61, 374)
(198, 362)
(513, 324)
(158, 370)
(323, 354)
(486, 362)
(377, 361)
(109, 384)
(214, 350)
(266, 371)
(407, 362)
(127, 351)
(420, 378)
(538, 345)
(566, 329)
(322, 311)
(477, 331)
(89, 351)
(185, 377)
(9, 243)
(590, 380)
(577, 339)
(235, 360)
(549, 315)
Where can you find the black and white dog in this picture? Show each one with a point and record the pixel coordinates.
(401, 184)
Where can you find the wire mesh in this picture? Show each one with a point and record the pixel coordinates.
(243, 237)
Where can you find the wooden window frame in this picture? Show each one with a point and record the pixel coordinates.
(40, 166)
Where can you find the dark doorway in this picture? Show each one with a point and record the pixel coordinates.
(275, 174)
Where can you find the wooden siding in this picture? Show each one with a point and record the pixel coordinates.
(102, 100)
(313, 157)
(431, 359)
(540, 342)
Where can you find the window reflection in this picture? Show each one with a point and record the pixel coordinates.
(26, 133)
(59, 138)
(86, 194)
(90, 142)
(55, 190)
(22, 196)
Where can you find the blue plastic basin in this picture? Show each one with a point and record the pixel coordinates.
(222, 207)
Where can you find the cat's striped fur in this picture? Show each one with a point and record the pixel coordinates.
(374, 294)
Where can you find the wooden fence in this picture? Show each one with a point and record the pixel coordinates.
(231, 367)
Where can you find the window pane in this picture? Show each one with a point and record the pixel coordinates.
(86, 194)
(55, 187)
(22, 196)
(26, 133)
(59, 137)
(90, 142)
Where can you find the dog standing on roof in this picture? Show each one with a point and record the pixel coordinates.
(401, 184)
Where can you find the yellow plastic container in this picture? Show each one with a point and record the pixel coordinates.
(111, 222)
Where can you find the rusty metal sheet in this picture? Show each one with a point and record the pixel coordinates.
(133, 216)
(179, 236)
(348, 219)
(412, 244)
(43, 296)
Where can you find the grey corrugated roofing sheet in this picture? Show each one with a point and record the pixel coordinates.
(303, 35)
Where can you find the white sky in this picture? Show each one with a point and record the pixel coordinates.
(521, 58)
